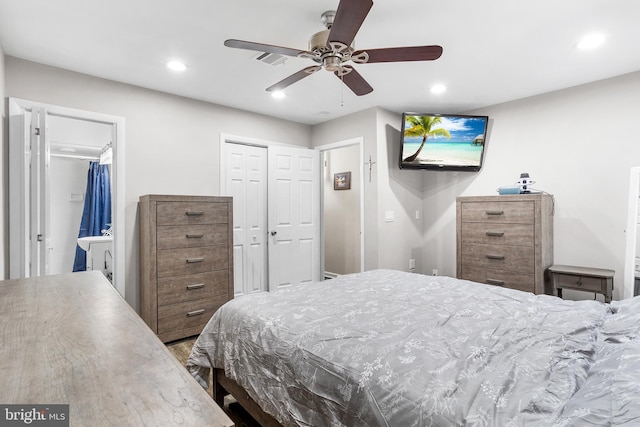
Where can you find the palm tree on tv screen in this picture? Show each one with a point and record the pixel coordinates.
(423, 126)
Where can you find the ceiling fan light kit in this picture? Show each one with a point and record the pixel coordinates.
(332, 47)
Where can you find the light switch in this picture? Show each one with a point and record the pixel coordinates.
(389, 216)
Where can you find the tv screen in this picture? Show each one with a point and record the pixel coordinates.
(442, 141)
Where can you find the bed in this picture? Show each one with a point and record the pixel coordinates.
(388, 348)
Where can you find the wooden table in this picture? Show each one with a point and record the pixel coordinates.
(72, 339)
(597, 280)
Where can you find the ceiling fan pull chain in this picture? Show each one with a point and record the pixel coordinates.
(342, 89)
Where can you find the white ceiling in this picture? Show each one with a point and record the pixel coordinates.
(494, 50)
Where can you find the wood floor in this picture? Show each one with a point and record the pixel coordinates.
(239, 416)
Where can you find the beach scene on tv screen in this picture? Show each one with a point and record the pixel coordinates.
(439, 140)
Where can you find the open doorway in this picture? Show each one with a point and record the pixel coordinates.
(51, 149)
(342, 208)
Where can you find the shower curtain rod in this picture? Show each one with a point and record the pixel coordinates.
(75, 156)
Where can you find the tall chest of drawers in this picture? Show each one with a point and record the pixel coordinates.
(506, 240)
(186, 261)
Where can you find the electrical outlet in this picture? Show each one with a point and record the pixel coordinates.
(434, 272)
(412, 264)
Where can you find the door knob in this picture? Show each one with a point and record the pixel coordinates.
(274, 232)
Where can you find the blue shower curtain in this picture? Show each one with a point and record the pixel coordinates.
(97, 209)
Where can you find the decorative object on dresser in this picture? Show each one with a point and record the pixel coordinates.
(506, 240)
(186, 261)
(596, 280)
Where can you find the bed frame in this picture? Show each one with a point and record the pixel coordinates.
(223, 386)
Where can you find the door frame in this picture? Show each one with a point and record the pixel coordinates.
(118, 193)
(359, 141)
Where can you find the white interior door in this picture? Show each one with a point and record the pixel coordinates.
(246, 182)
(37, 235)
(293, 216)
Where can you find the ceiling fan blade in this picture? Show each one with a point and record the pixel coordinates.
(282, 84)
(403, 54)
(349, 17)
(261, 47)
(355, 82)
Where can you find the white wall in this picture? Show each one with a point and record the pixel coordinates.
(67, 176)
(400, 194)
(172, 143)
(578, 144)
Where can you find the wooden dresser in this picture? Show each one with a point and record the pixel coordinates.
(71, 339)
(506, 240)
(186, 261)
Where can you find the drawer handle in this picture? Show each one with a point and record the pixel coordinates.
(495, 282)
(494, 212)
(195, 312)
(195, 286)
(194, 213)
(195, 236)
(494, 233)
(194, 260)
(489, 256)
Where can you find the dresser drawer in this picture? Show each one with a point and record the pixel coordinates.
(501, 234)
(584, 283)
(176, 262)
(503, 212)
(186, 236)
(213, 285)
(519, 259)
(185, 315)
(175, 213)
(507, 279)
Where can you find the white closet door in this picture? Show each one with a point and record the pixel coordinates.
(294, 216)
(246, 182)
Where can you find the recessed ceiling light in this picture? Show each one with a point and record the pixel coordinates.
(438, 88)
(176, 66)
(590, 41)
(278, 94)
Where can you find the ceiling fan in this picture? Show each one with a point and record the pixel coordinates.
(332, 47)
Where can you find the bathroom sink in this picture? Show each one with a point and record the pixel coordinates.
(85, 242)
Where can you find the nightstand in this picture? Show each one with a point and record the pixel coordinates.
(597, 280)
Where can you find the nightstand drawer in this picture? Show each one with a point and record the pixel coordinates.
(519, 259)
(586, 279)
(590, 284)
(504, 212)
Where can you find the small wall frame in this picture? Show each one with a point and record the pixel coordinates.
(342, 181)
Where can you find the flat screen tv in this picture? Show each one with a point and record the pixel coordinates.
(442, 141)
